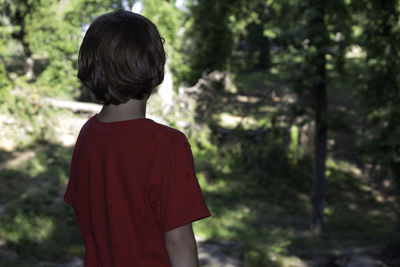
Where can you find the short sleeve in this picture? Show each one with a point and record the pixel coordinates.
(182, 201)
(71, 190)
(67, 195)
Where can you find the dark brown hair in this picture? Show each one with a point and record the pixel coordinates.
(121, 57)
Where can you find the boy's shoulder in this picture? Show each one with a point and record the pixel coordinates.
(170, 135)
(163, 133)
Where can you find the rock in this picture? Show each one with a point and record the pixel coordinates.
(293, 261)
(8, 254)
(359, 261)
(213, 255)
(210, 255)
(74, 262)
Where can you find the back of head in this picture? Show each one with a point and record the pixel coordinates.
(121, 57)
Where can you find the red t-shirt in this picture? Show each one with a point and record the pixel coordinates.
(130, 182)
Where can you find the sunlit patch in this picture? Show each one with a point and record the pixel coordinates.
(247, 99)
(353, 206)
(230, 121)
(355, 51)
(67, 139)
(27, 227)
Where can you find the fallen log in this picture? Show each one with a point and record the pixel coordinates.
(72, 105)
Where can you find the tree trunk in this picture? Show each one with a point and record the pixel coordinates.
(318, 36)
(29, 62)
(320, 147)
(264, 58)
(20, 36)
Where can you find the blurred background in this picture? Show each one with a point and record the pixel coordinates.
(291, 108)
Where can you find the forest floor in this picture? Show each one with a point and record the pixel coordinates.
(273, 205)
(260, 203)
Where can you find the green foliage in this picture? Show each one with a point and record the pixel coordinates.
(295, 151)
(53, 36)
(5, 83)
(82, 12)
(170, 22)
(211, 27)
(381, 91)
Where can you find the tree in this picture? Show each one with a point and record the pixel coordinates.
(170, 22)
(322, 31)
(42, 29)
(5, 83)
(55, 31)
(212, 34)
(259, 44)
(264, 23)
(380, 22)
(319, 39)
(15, 15)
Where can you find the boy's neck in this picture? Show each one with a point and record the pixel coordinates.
(133, 109)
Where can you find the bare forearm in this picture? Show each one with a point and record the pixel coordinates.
(181, 247)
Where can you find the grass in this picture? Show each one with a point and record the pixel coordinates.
(266, 219)
(35, 223)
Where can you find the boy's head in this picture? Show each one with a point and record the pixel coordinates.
(121, 57)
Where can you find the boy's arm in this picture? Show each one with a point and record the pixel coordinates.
(181, 247)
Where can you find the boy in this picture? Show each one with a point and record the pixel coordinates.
(132, 181)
